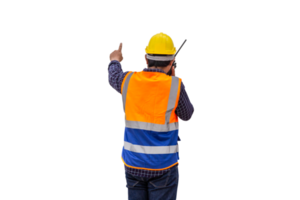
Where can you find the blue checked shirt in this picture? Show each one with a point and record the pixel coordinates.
(184, 109)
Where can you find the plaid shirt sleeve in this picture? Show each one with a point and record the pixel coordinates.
(186, 109)
(115, 74)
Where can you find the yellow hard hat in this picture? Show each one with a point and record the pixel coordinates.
(161, 44)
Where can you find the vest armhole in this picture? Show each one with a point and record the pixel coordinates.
(178, 93)
(124, 80)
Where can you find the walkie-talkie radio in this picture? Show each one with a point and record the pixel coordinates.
(176, 63)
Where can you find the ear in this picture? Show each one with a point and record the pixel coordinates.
(145, 60)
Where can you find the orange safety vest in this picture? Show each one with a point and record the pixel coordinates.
(151, 133)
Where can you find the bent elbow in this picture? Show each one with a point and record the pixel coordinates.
(187, 119)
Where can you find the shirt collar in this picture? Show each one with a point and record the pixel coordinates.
(153, 70)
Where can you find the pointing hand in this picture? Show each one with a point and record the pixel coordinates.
(117, 54)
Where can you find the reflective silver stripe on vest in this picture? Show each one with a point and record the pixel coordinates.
(172, 98)
(171, 104)
(151, 126)
(125, 88)
(151, 149)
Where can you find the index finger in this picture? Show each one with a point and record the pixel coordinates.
(120, 47)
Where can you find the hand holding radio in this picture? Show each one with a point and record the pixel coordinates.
(175, 64)
(173, 71)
